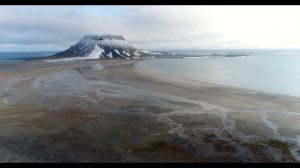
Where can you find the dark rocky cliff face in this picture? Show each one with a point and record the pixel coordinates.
(101, 47)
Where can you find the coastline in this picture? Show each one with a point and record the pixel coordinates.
(119, 111)
(215, 83)
(165, 74)
(196, 86)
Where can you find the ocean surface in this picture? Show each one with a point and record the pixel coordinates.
(8, 57)
(273, 71)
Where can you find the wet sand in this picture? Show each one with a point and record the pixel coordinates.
(117, 111)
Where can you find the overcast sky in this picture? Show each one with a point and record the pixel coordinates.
(45, 28)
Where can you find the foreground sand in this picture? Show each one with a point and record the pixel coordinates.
(116, 111)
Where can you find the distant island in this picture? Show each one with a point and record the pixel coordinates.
(101, 47)
(112, 46)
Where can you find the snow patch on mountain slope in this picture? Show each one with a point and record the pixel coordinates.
(96, 53)
(136, 53)
(126, 53)
(151, 52)
(100, 47)
(117, 52)
(113, 43)
(110, 55)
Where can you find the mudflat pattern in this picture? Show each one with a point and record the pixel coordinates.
(112, 111)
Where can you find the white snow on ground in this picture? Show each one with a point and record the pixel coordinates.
(125, 52)
(110, 55)
(114, 43)
(136, 53)
(97, 52)
(122, 48)
(151, 52)
(117, 52)
(105, 42)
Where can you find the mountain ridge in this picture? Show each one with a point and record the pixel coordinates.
(101, 46)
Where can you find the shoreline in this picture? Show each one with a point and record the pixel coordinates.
(214, 83)
(77, 112)
(183, 82)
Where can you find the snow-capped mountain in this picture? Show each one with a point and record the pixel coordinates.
(101, 46)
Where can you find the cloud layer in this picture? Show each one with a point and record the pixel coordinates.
(151, 27)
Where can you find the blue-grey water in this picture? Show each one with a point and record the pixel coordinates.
(20, 56)
(274, 71)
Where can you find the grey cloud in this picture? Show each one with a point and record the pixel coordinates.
(60, 26)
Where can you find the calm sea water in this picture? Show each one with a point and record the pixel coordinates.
(274, 71)
(20, 56)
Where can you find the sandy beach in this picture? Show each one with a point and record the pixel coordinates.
(118, 111)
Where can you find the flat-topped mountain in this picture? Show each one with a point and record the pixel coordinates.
(101, 46)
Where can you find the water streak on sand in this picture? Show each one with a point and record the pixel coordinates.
(208, 129)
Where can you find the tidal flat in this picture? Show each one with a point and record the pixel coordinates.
(118, 111)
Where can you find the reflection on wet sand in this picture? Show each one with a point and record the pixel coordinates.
(112, 111)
